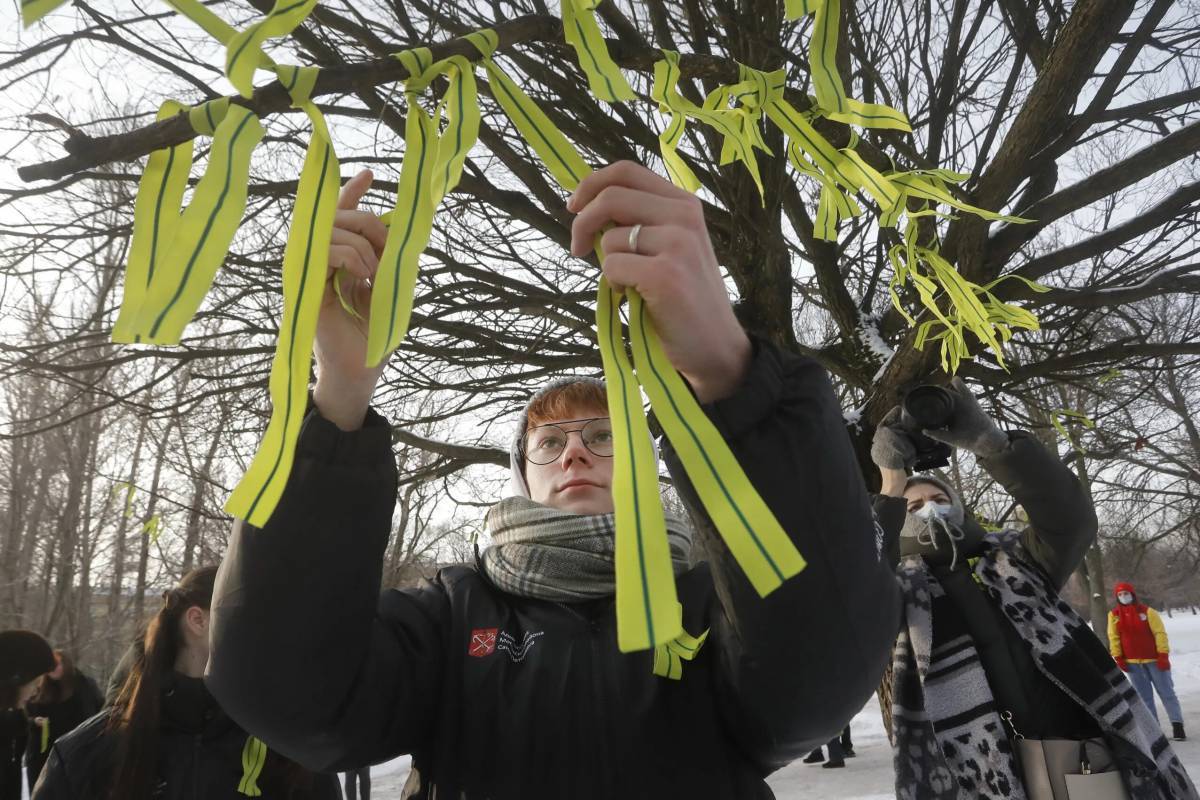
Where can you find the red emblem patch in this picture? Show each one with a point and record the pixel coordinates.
(483, 642)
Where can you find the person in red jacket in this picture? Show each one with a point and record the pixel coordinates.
(1138, 642)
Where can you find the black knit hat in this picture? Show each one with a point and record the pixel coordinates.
(24, 656)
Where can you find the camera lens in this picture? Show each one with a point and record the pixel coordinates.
(931, 407)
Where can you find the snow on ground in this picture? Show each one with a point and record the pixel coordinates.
(869, 775)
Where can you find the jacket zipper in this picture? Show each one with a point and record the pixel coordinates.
(594, 628)
(196, 767)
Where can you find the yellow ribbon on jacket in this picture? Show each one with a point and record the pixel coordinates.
(254, 758)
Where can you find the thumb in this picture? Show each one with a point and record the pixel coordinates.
(354, 190)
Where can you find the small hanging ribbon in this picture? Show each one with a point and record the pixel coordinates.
(669, 657)
(254, 757)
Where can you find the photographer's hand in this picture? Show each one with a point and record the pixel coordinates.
(893, 452)
(970, 428)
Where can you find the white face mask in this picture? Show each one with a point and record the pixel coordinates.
(1125, 598)
(930, 510)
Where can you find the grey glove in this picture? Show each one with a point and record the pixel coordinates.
(892, 448)
(971, 428)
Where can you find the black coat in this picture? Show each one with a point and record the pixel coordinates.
(200, 757)
(64, 715)
(14, 729)
(1062, 527)
(559, 713)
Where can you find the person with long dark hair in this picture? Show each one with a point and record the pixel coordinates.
(165, 737)
(65, 698)
(24, 658)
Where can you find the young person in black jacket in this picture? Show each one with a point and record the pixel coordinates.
(66, 696)
(165, 737)
(24, 658)
(989, 654)
(503, 678)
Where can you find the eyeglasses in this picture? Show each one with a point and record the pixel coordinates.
(546, 443)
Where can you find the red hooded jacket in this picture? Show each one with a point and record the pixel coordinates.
(1135, 631)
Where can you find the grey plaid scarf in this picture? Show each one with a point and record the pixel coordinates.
(950, 743)
(548, 554)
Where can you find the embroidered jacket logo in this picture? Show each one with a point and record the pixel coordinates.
(483, 642)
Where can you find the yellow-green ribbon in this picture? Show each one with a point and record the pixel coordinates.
(755, 538)
(432, 167)
(243, 52)
(647, 604)
(971, 307)
(669, 657)
(737, 126)
(665, 91)
(34, 10)
(832, 99)
(155, 219)
(254, 757)
(200, 14)
(583, 33)
(174, 256)
(203, 234)
(542, 135)
(45, 726)
(305, 263)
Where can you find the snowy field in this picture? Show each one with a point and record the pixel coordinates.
(869, 776)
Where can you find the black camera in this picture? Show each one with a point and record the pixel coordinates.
(925, 408)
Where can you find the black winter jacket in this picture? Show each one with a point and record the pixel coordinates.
(200, 757)
(1062, 527)
(14, 730)
(503, 697)
(63, 716)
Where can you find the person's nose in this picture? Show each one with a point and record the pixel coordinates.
(575, 450)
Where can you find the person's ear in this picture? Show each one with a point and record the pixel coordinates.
(196, 620)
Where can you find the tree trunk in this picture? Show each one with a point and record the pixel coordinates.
(139, 598)
(115, 641)
(199, 483)
(1092, 567)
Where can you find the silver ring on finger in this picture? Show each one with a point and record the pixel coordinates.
(633, 238)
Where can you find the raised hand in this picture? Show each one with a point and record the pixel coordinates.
(674, 270)
(344, 382)
(971, 428)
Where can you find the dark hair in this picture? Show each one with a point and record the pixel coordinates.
(51, 691)
(135, 715)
